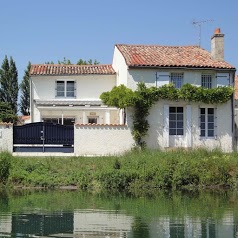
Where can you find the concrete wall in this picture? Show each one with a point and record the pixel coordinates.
(102, 140)
(6, 137)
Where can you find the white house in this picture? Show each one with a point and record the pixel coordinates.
(69, 94)
(181, 124)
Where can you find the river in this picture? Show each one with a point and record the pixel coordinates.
(79, 214)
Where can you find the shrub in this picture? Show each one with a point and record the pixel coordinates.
(5, 165)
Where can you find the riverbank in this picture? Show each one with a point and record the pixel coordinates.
(143, 171)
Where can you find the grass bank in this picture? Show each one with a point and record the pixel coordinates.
(134, 172)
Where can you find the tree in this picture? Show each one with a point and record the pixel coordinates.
(79, 62)
(85, 62)
(6, 113)
(25, 92)
(9, 83)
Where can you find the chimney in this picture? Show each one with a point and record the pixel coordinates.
(217, 45)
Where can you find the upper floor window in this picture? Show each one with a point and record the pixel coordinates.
(65, 88)
(206, 81)
(177, 79)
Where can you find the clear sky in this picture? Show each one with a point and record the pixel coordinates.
(49, 30)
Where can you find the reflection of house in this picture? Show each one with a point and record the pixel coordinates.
(5, 223)
(93, 223)
(67, 94)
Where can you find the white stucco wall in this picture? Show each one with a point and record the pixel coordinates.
(102, 140)
(120, 67)
(156, 138)
(148, 76)
(6, 137)
(87, 86)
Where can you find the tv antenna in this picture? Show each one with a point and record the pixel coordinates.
(199, 24)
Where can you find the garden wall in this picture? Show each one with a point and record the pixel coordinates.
(6, 137)
(102, 139)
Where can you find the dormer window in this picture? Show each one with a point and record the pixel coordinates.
(65, 88)
(177, 79)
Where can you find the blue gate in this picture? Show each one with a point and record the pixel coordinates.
(43, 137)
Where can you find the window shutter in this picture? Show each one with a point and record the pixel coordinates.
(189, 125)
(223, 79)
(162, 78)
(166, 126)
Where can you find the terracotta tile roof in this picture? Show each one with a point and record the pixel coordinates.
(61, 69)
(169, 56)
(236, 87)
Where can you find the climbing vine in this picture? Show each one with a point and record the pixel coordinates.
(144, 97)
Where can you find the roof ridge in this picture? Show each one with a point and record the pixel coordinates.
(154, 45)
(78, 65)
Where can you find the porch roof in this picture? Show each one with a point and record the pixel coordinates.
(68, 102)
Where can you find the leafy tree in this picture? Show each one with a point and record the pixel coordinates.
(89, 62)
(25, 92)
(9, 83)
(79, 62)
(6, 113)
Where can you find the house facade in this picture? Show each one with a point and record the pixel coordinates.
(69, 94)
(180, 123)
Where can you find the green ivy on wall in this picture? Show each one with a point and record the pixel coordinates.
(144, 97)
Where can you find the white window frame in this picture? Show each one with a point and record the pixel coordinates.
(177, 119)
(65, 91)
(206, 80)
(206, 123)
(177, 79)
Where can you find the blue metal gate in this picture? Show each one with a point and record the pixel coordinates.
(43, 137)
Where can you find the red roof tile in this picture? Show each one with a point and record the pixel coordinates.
(169, 56)
(236, 87)
(61, 69)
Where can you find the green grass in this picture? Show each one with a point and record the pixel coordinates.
(137, 171)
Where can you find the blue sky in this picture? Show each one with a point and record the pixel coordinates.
(49, 30)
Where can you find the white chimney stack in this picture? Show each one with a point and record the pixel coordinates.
(217, 45)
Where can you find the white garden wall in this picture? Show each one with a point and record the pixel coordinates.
(102, 139)
(6, 137)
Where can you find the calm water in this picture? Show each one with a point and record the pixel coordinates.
(75, 214)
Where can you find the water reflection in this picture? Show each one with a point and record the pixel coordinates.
(73, 214)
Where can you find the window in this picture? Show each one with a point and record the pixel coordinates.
(65, 88)
(92, 120)
(177, 79)
(206, 81)
(66, 121)
(207, 122)
(176, 121)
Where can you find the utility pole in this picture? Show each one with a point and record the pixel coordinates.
(199, 24)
